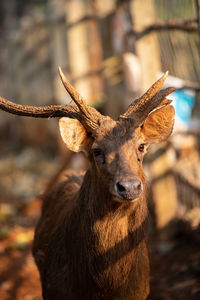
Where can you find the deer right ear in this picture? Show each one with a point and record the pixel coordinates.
(158, 125)
(74, 134)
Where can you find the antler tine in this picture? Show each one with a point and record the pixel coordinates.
(90, 116)
(155, 102)
(50, 111)
(140, 102)
(76, 97)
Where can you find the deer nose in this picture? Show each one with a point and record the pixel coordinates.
(129, 190)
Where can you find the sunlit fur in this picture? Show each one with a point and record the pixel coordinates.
(90, 243)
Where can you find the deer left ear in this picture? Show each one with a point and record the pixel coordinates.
(74, 134)
(159, 125)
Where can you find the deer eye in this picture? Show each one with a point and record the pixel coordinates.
(96, 152)
(99, 155)
(141, 147)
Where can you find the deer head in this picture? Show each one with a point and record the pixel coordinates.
(114, 148)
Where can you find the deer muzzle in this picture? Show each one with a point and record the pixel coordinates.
(128, 190)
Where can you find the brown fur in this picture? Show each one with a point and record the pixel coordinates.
(89, 244)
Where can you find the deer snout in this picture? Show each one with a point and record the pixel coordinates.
(129, 190)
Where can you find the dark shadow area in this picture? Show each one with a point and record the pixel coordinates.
(175, 264)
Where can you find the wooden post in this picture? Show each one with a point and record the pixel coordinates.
(147, 49)
(84, 51)
(163, 186)
(59, 55)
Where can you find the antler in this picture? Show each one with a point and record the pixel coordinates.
(50, 111)
(141, 107)
(90, 116)
(87, 115)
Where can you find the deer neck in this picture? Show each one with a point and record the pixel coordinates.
(114, 232)
(101, 206)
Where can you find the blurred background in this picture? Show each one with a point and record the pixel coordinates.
(111, 51)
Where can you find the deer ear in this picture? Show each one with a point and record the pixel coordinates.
(159, 125)
(74, 134)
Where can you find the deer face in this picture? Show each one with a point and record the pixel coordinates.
(117, 154)
(116, 149)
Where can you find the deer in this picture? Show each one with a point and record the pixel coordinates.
(91, 238)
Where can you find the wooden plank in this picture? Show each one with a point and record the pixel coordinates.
(164, 188)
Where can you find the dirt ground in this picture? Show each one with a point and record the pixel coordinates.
(175, 269)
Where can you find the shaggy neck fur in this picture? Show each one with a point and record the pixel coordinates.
(112, 236)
